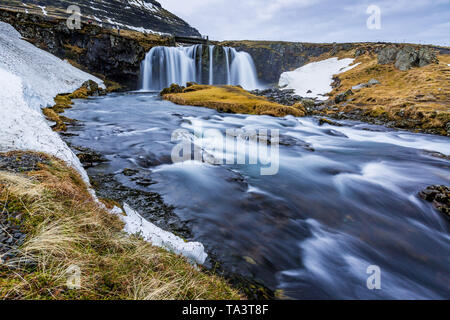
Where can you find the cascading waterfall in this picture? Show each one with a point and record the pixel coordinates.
(211, 64)
(201, 64)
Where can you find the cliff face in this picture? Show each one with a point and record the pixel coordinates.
(97, 50)
(139, 15)
(274, 58)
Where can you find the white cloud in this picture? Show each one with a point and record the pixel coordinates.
(315, 20)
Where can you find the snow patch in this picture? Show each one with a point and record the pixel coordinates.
(22, 128)
(316, 77)
(43, 75)
(136, 224)
(44, 12)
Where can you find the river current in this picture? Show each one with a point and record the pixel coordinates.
(344, 198)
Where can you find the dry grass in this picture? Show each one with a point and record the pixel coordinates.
(232, 100)
(418, 98)
(66, 227)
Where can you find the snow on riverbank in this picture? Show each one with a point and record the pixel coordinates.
(316, 77)
(136, 224)
(29, 80)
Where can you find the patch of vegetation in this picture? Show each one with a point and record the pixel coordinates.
(66, 227)
(417, 99)
(230, 99)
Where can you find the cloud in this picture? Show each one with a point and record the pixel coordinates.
(315, 20)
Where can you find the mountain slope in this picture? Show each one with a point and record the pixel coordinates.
(140, 15)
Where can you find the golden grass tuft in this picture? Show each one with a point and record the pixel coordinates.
(66, 227)
(231, 99)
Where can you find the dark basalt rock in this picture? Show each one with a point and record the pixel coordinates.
(282, 96)
(440, 197)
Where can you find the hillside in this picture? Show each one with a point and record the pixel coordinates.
(139, 15)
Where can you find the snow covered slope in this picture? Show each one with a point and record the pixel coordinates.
(316, 77)
(140, 15)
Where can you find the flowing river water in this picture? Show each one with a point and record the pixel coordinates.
(343, 199)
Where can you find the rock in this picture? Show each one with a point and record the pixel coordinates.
(323, 121)
(129, 172)
(371, 82)
(360, 52)
(343, 96)
(387, 55)
(90, 158)
(174, 88)
(308, 103)
(360, 86)
(282, 96)
(407, 57)
(440, 197)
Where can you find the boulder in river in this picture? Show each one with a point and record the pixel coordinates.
(439, 196)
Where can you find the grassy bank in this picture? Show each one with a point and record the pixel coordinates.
(64, 226)
(417, 99)
(231, 99)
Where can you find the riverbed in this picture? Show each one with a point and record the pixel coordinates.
(343, 198)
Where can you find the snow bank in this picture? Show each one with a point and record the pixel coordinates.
(43, 75)
(316, 77)
(23, 128)
(135, 224)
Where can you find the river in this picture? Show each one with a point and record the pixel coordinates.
(343, 198)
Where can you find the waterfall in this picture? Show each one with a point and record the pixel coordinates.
(163, 66)
(211, 64)
(227, 61)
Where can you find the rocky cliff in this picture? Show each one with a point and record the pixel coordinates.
(100, 51)
(139, 15)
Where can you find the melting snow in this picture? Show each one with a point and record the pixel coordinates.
(136, 224)
(316, 77)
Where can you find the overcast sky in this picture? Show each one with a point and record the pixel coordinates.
(418, 21)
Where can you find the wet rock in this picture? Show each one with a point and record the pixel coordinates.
(90, 158)
(293, 142)
(129, 172)
(440, 197)
(323, 121)
(149, 204)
